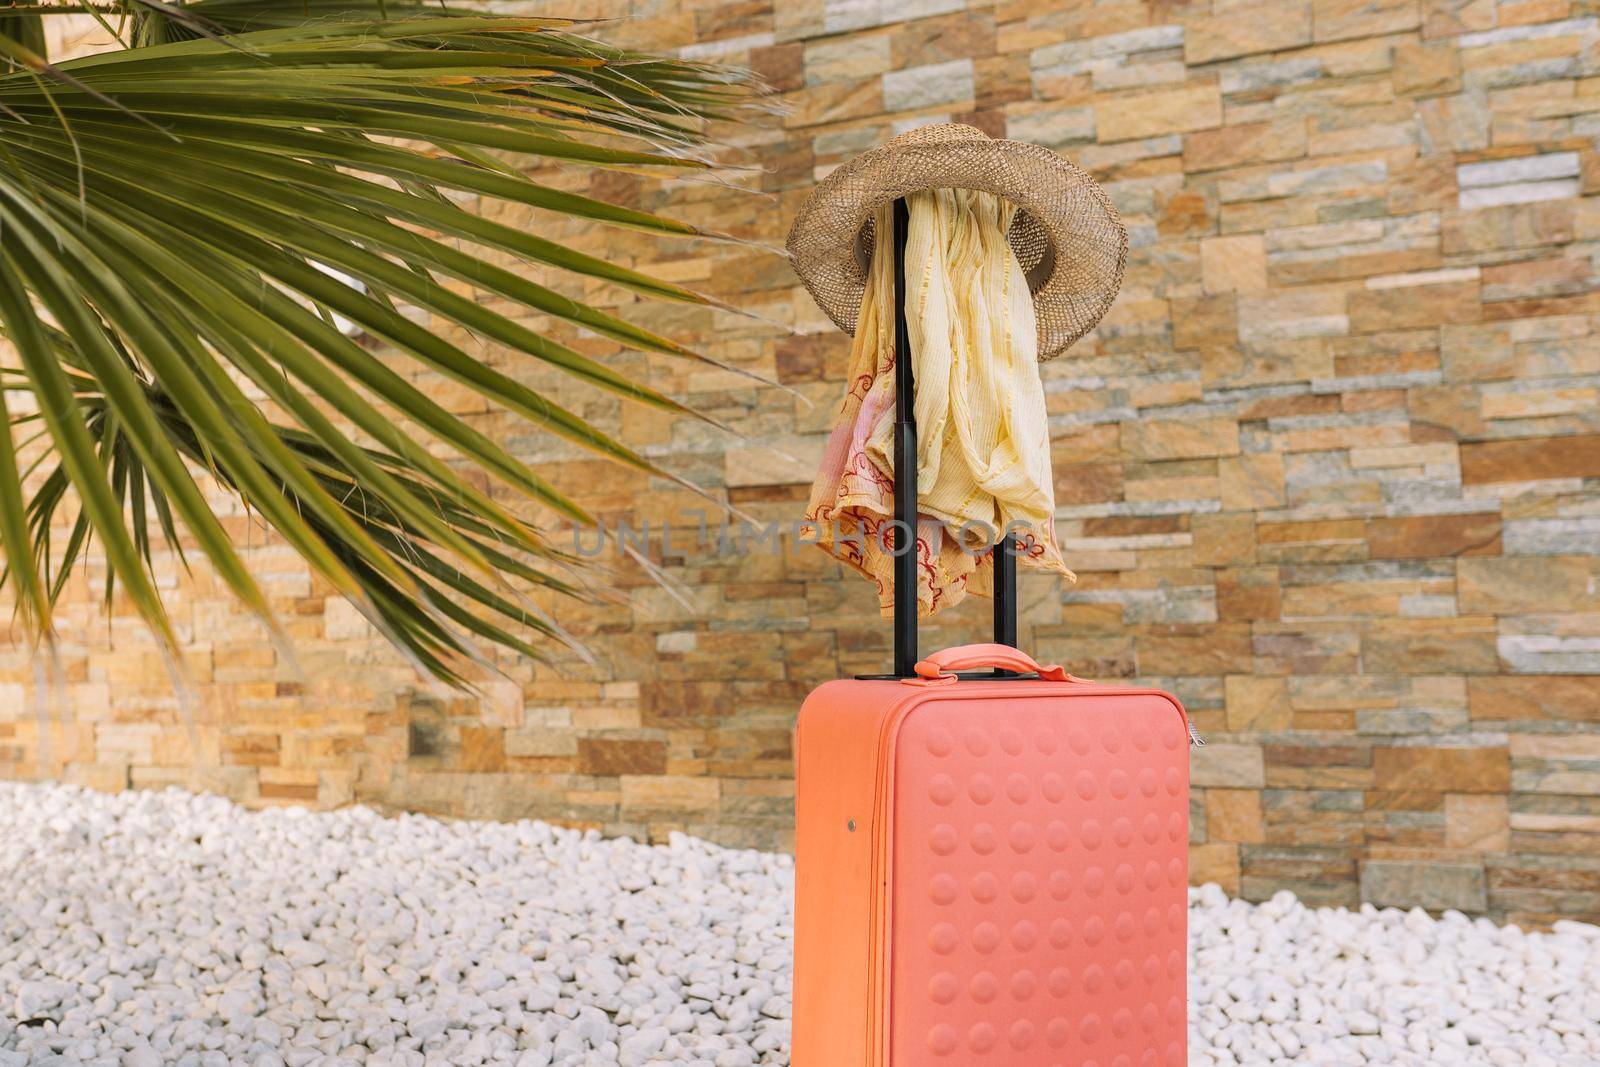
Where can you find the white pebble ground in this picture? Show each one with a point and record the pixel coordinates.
(147, 929)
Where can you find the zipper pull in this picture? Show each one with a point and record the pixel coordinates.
(1195, 740)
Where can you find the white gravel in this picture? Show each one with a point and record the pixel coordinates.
(1283, 983)
(147, 929)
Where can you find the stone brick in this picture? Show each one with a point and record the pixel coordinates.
(1234, 264)
(1562, 698)
(1458, 123)
(1431, 646)
(1434, 886)
(482, 748)
(1242, 31)
(1330, 541)
(1126, 118)
(608, 757)
(1186, 650)
(1253, 480)
(782, 66)
(1052, 126)
(1248, 142)
(1218, 862)
(537, 741)
(1208, 321)
(1338, 20)
(1426, 68)
(1158, 439)
(1411, 306)
(1234, 815)
(1452, 770)
(1223, 539)
(1431, 536)
(846, 59)
(1227, 766)
(1477, 822)
(929, 85)
(1492, 229)
(1257, 704)
(1248, 593)
(1517, 585)
(257, 750)
(810, 358)
(1293, 314)
(1530, 459)
(955, 36)
(647, 794)
(1085, 483)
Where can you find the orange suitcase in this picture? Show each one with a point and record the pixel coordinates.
(992, 869)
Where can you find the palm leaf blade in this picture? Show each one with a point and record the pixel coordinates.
(158, 268)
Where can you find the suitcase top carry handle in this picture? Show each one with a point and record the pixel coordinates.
(941, 666)
(905, 494)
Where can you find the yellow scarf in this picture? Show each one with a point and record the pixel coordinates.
(983, 441)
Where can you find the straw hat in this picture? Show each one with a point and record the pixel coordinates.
(1066, 234)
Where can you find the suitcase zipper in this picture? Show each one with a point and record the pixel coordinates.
(1195, 740)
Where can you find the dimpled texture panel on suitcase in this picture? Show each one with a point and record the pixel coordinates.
(1040, 884)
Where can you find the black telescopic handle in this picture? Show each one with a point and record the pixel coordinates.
(905, 491)
(905, 464)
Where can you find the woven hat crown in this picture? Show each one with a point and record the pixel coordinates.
(1066, 234)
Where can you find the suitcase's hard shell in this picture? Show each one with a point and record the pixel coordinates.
(990, 871)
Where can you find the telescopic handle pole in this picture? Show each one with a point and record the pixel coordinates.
(905, 464)
(905, 491)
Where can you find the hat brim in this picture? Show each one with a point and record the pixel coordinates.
(1075, 278)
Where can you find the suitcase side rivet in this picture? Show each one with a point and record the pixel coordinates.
(851, 826)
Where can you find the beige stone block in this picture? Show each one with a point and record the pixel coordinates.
(1518, 585)
(1256, 704)
(342, 622)
(1224, 539)
(1477, 821)
(1218, 862)
(1252, 480)
(132, 743)
(501, 704)
(1245, 30)
(788, 461)
(1205, 321)
(1237, 366)
(1456, 123)
(1234, 815)
(1234, 264)
(1298, 313)
(540, 741)
(1130, 117)
(647, 793)
(1245, 143)
(1160, 439)
(1426, 68)
(1166, 394)
(1584, 746)
(1436, 453)
(1483, 769)
(606, 717)
(1339, 20)
(1195, 487)
(846, 58)
(1535, 404)
(105, 777)
(1221, 765)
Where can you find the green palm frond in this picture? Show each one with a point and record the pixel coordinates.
(156, 276)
